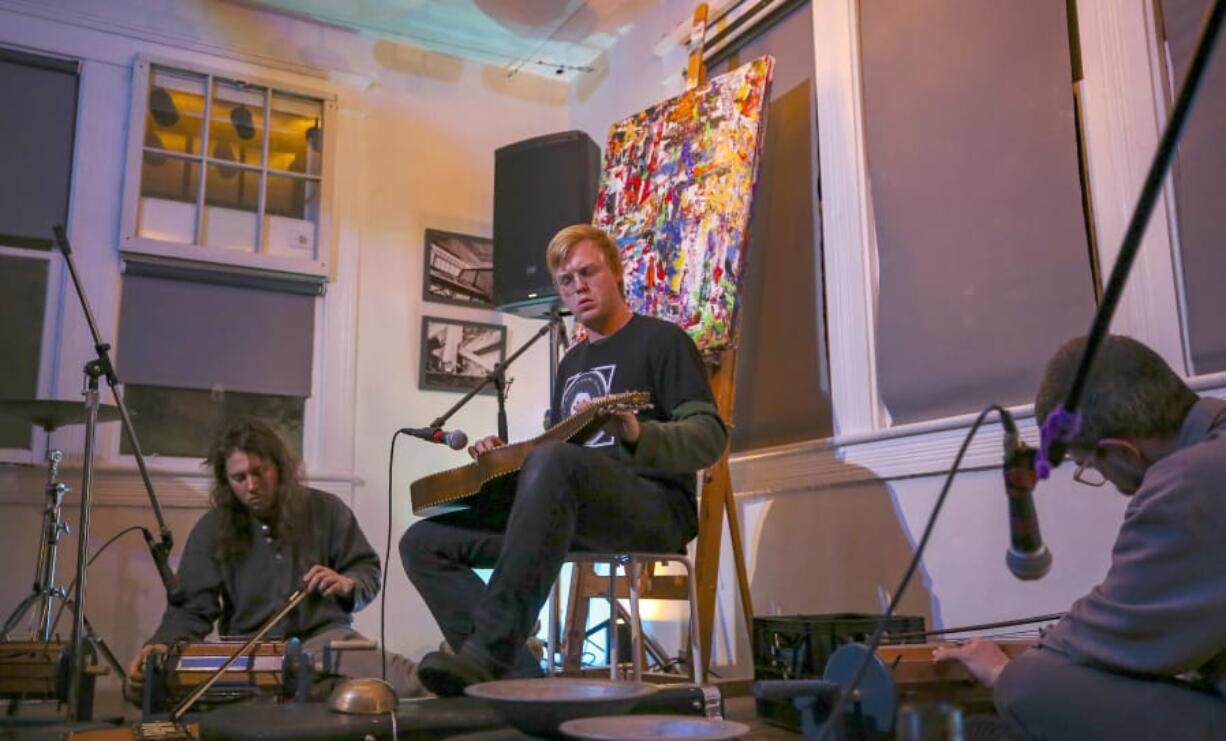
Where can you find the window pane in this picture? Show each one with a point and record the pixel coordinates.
(182, 422)
(295, 139)
(293, 211)
(232, 198)
(175, 111)
(169, 188)
(23, 297)
(171, 178)
(236, 123)
(297, 198)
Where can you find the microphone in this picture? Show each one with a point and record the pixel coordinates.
(454, 439)
(1027, 557)
(160, 553)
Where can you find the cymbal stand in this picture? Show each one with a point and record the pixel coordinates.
(93, 370)
(45, 591)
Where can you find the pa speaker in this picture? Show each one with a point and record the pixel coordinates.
(540, 186)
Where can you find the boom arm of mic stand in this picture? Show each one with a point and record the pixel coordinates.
(108, 369)
(493, 375)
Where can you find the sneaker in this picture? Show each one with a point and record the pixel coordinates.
(446, 675)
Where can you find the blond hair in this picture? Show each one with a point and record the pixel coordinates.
(564, 240)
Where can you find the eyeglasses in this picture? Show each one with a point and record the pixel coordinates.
(1087, 474)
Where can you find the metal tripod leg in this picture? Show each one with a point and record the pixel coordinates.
(45, 591)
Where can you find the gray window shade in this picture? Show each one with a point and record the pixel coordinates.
(200, 335)
(1200, 185)
(782, 385)
(23, 296)
(972, 157)
(37, 121)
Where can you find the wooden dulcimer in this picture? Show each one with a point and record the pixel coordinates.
(449, 490)
(918, 679)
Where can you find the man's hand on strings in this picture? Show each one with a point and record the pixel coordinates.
(981, 657)
(136, 667)
(622, 425)
(485, 445)
(323, 580)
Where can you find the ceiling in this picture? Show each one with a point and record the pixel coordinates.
(557, 38)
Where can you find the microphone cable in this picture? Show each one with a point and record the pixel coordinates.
(387, 553)
(874, 641)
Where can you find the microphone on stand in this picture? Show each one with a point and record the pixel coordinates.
(454, 439)
(1027, 558)
(160, 553)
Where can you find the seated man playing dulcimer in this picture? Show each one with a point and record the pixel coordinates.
(630, 487)
(265, 537)
(1143, 655)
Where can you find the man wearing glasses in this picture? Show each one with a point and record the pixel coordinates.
(1143, 655)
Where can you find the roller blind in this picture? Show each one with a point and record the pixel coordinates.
(983, 254)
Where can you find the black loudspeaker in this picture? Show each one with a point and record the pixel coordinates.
(540, 186)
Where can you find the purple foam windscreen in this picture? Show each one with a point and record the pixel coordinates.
(1059, 427)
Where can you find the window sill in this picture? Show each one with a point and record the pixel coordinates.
(905, 451)
(222, 260)
(902, 452)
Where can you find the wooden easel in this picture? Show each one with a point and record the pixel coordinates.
(716, 502)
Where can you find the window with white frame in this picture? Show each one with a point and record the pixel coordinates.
(226, 170)
(224, 251)
(37, 125)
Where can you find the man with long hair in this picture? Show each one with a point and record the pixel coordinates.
(628, 488)
(265, 536)
(1143, 655)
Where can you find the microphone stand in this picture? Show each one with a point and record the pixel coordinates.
(95, 369)
(497, 375)
(1062, 424)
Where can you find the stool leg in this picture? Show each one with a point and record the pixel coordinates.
(553, 638)
(695, 650)
(636, 624)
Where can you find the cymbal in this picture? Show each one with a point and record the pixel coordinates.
(51, 414)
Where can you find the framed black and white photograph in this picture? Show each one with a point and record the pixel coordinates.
(459, 269)
(456, 355)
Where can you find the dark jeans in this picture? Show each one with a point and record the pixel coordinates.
(1052, 697)
(567, 497)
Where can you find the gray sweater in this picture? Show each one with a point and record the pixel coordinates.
(1161, 610)
(241, 594)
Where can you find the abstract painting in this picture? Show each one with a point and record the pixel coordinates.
(675, 195)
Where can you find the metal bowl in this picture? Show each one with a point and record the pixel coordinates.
(538, 706)
(649, 727)
(363, 697)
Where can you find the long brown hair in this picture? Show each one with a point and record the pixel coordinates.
(254, 437)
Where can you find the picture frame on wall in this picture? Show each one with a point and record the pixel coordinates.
(459, 269)
(456, 355)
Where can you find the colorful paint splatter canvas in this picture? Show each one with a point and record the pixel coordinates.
(675, 195)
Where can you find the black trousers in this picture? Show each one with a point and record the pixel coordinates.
(1051, 697)
(566, 498)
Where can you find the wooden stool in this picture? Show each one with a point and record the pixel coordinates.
(631, 564)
